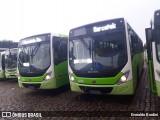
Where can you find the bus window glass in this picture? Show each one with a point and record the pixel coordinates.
(98, 54)
(34, 59)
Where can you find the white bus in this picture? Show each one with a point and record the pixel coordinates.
(42, 61)
(105, 57)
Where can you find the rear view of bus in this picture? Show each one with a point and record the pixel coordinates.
(11, 63)
(105, 58)
(42, 61)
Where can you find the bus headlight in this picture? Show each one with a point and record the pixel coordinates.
(48, 76)
(71, 78)
(124, 77)
(18, 78)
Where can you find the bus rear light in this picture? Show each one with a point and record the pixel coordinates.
(124, 77)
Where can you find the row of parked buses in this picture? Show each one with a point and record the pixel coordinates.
(8, 63)
(104, 57)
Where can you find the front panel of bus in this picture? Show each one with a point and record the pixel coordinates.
(34, 62)
(97, 55)
(156, 49)
(11, 63)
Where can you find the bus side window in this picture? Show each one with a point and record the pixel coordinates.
(63, 52)
(55, 49)
(134, 41)
(59, 50)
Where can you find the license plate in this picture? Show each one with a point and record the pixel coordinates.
(95, 92)
(31, 87)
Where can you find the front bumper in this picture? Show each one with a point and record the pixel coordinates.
(46, 84)
(122, 89)
(11, 75)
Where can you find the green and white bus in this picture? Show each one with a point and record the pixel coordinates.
(42, 61)
(105, 58)
(153, 51)
(2, 65)
(11, 63)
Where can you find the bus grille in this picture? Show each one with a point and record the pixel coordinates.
(31, 86)
(101, 89)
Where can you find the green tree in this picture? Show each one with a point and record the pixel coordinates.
(8, 44)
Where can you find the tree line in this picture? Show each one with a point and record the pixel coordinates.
(8, 44)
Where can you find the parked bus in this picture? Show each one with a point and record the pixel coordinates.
(105, 58)
(153, 51)
(2, 65)
(42, 61)
(11, 63)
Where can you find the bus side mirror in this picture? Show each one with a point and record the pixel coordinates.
(149, 33)
(154, 34)
(149, 40)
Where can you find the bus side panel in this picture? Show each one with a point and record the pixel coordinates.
(61, 74)
(2, 74)
(151, 76)
(137, 66)
(158, 88)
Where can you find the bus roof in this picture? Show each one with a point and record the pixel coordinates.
(54, 34)
(115, 19)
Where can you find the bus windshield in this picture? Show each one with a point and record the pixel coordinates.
(34, 59)
(101, 55)
(11, 59)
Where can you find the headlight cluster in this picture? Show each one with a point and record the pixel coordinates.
(71, 78)
(48, 76)
(124, 77)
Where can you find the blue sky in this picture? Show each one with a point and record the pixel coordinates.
(22, 18)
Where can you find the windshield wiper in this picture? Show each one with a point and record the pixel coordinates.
(23, 47)
(85, 44)
(34, 51)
